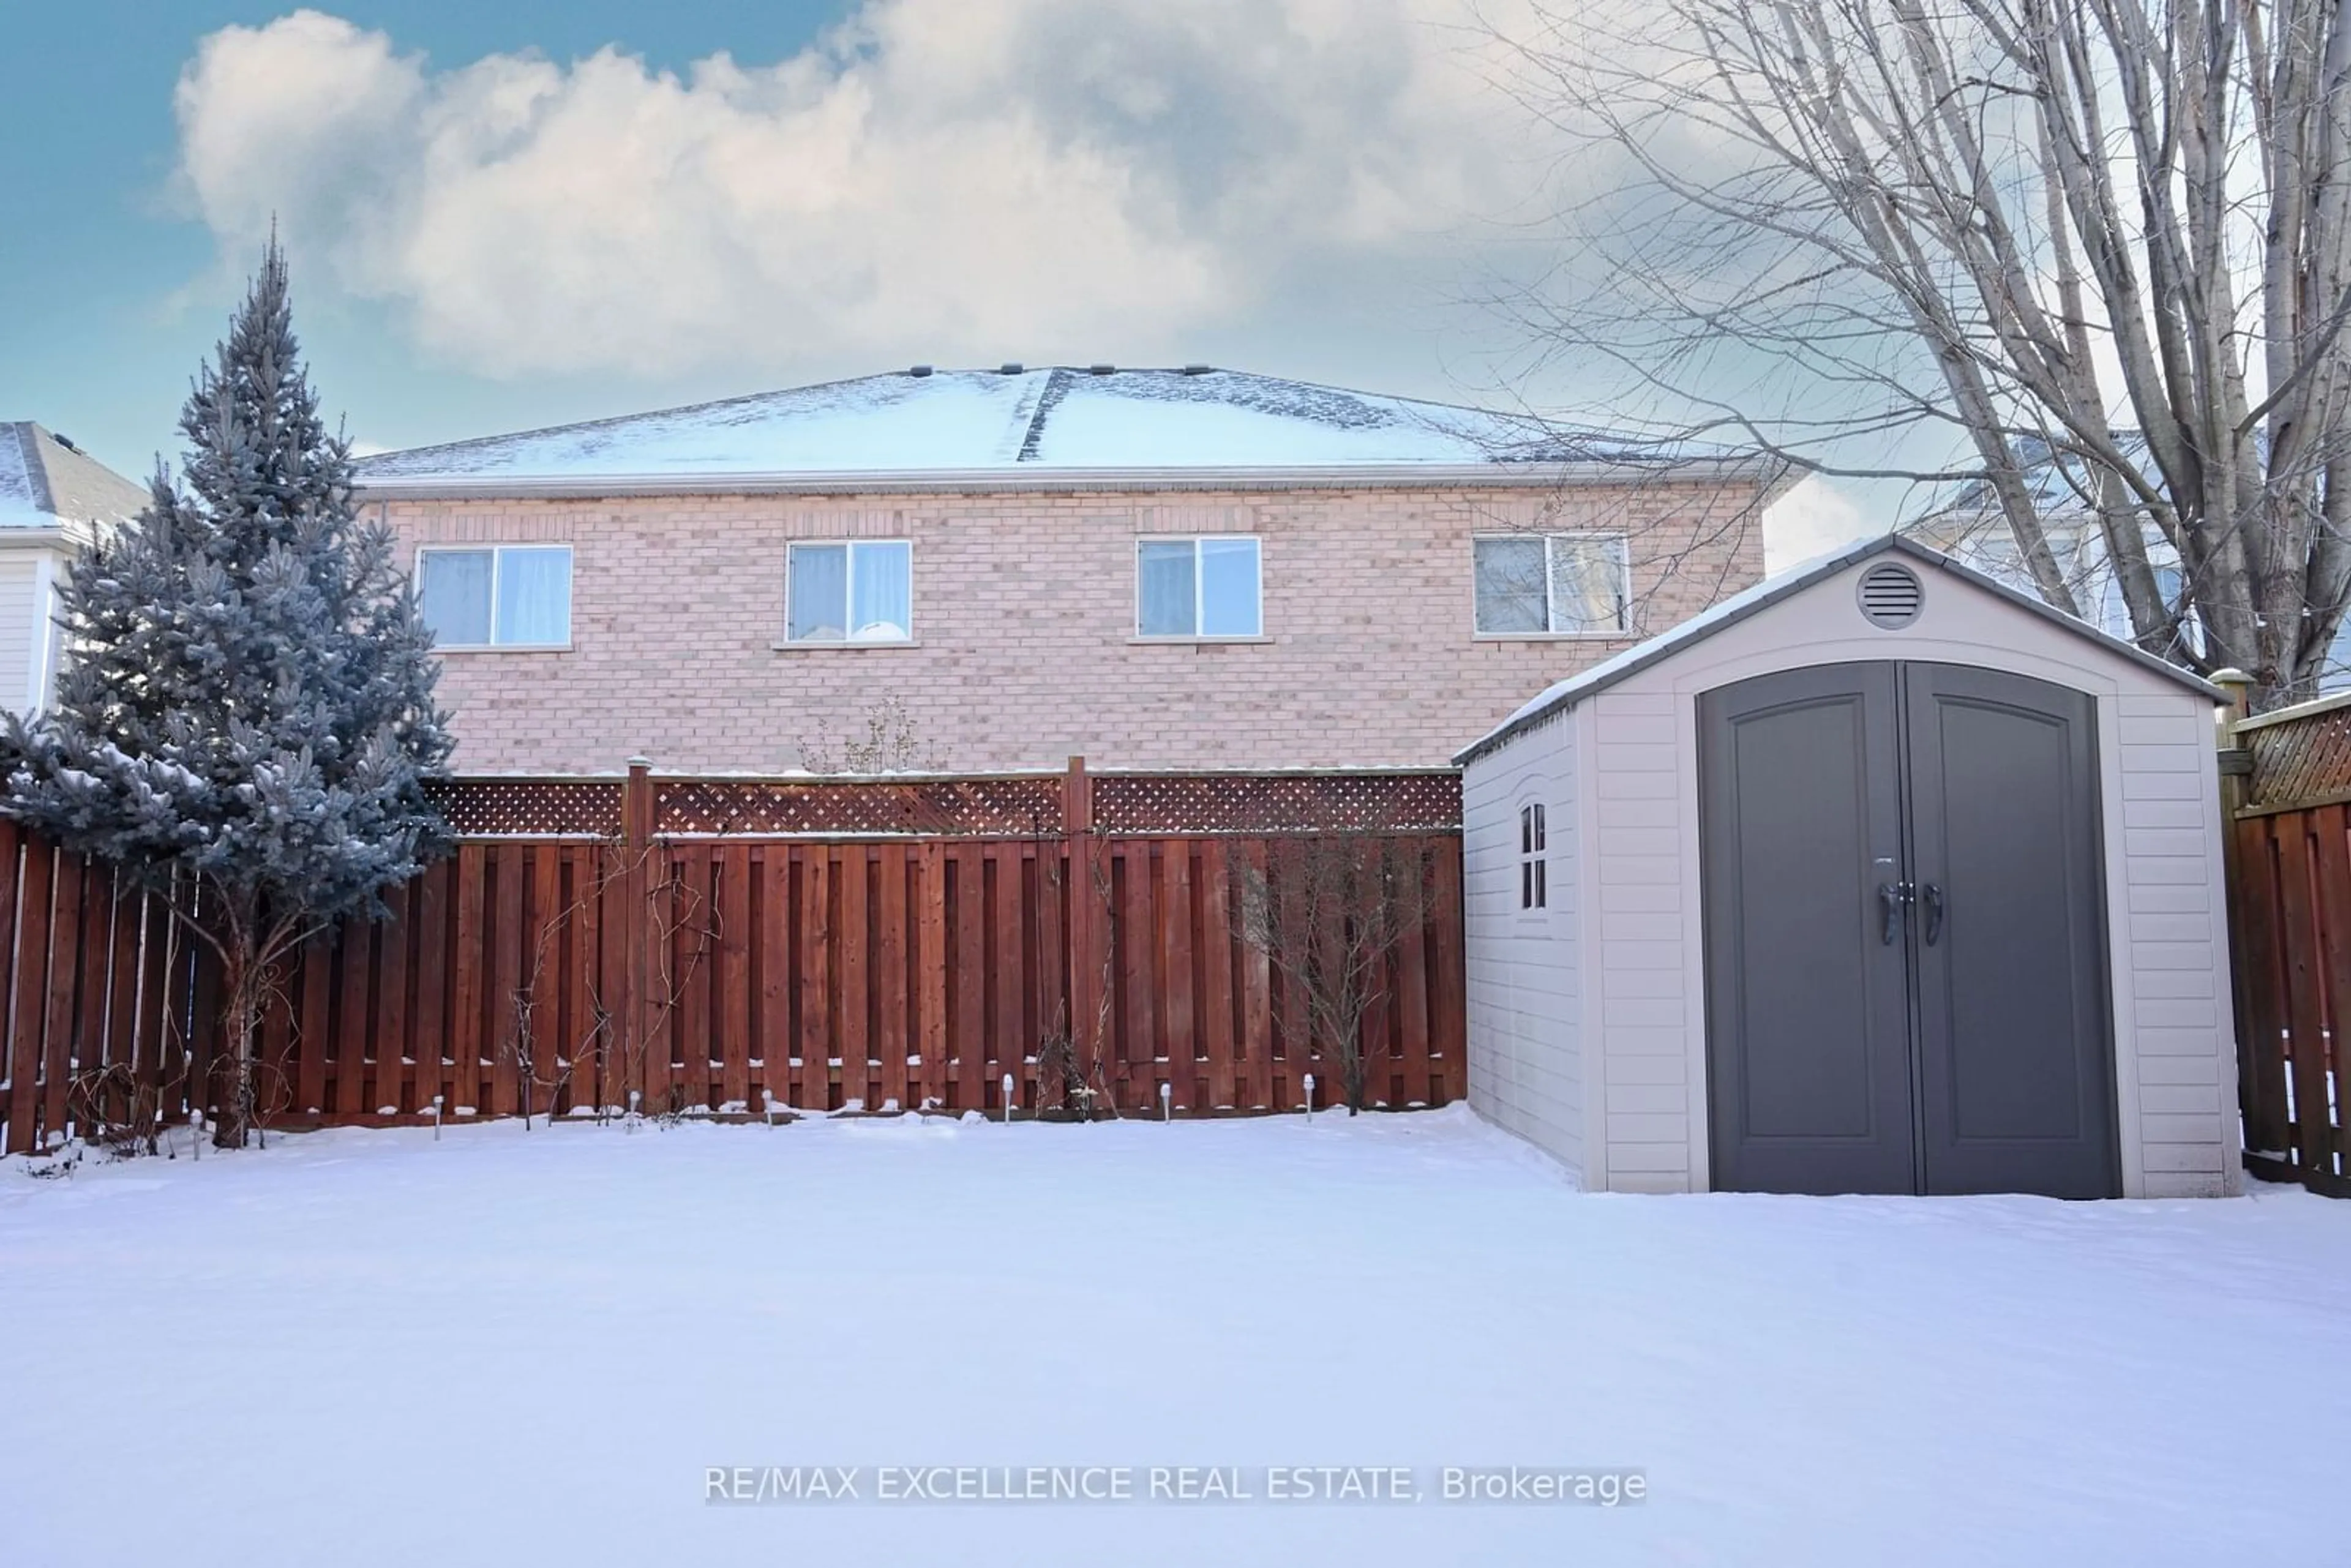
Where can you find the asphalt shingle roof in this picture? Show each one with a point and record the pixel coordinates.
(46, 483)
(1014, 420)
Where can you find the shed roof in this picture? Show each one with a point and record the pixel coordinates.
(45, 482)
(1563, 695)
(1026, 425)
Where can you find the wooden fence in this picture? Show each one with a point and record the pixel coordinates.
(724, 946)
(2287, 790)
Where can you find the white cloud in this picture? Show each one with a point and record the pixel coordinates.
(956, 180)
(1811, 518)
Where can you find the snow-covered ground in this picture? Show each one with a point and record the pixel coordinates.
(532, 1347)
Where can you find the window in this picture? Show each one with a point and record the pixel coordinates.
(1533, 584)
(2173, 589)
(506, 595)
(1197, 587)
(1534, 892)
(859, 590)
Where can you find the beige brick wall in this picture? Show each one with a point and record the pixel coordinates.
(1024, 614)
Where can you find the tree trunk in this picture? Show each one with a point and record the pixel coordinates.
(241, 974)
(2110, 243)
(1353, 1079)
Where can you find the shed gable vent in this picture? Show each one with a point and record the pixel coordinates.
(1891, 595)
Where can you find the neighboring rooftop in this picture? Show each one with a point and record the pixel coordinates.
(46, 482)
(1017, 424)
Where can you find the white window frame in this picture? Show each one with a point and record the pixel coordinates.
(1534, 859)
(2189, 634)
(1550, 613)
(848, 638)
(48, 637)
(497, 557)
(1199, 591)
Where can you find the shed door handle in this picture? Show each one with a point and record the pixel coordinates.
(1891, 897)
(1933, 897)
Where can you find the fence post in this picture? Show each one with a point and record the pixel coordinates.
(2234, 764)
(2234, 684)
(635, 1013)
(1084, 959)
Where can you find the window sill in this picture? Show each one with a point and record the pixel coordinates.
(1193, 642)
(1553, 637)
(502, 647)
(817, 646)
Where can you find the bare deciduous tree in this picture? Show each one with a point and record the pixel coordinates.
(1938, 240)
(1329, 912)
(892, 743)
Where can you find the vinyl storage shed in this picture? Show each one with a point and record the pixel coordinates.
(1878, 877)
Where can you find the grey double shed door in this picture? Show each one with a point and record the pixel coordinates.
(1905, 945)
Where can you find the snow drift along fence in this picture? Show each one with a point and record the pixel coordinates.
(719, 944)
(2287, 786)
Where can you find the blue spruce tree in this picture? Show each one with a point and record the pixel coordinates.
(245, 717)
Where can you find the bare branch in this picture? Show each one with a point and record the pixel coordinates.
(2090, 258)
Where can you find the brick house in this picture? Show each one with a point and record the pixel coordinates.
(1187, 568)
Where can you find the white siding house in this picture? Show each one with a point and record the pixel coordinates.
(53, 495)
(1588, 1026)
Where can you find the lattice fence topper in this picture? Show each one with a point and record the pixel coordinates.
(532, 808)
(1027, 806)
(2303, 758)
(1276, 802)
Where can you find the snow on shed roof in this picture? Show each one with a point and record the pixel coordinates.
(1019, 424)
(1565, 693)
(45, 483)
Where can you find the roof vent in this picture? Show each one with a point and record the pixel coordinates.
(919, 370)
(1101, 369)
(1010, 368)
(61, 440)
(1891, 596)
(1197, 369)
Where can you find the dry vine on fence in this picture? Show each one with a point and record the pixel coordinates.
(594, 1049)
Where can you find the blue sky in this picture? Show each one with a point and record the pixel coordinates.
(114, 288)
(504, 217)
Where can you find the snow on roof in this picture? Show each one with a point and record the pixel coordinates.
(46, 483)
(21, 502)
(1011, 420)
(1562, 695)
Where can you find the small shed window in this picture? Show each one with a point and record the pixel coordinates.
(1534, 889)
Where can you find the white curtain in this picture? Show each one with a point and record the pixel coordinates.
(1510, 585)
(819, 593)
(1228, 587)
(881, 588)
(1165, 603)
(1588, 587)
(535, 596)
(452, 589)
